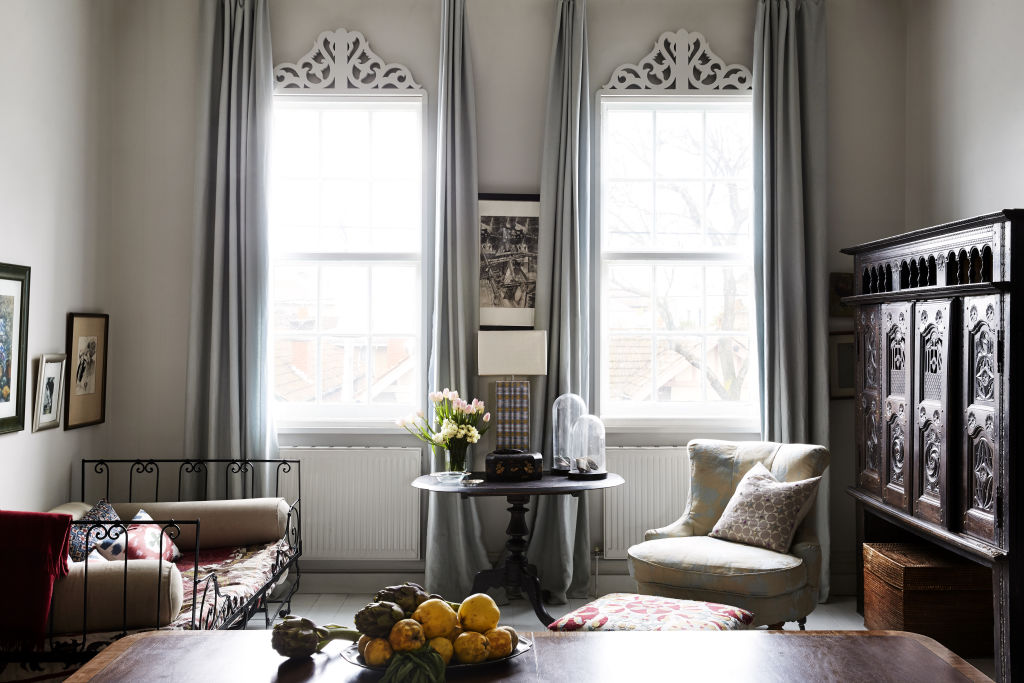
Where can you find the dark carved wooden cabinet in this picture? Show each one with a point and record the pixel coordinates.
(935, 437)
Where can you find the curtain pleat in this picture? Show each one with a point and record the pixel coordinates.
(560, 540)
(790, 258)
(455, 549)
(227, 390)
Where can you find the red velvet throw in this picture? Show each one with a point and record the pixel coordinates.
(36, 555)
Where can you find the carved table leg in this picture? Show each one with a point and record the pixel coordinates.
(517, 572)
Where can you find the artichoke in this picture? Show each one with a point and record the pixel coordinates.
(377, 618)
(408, 596)
(298, 637)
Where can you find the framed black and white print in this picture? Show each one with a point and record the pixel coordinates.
(842, 360)
(49, 392)
(85, 385)
(14, 282)
(509, 234)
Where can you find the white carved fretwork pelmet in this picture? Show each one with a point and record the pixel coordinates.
(681, 61)
(355, 67)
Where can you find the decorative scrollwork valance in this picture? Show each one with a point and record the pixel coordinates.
(357, 68)
(669, 68)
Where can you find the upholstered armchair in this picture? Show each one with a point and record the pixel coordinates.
(682, 561)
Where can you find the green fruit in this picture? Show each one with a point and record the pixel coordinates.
(408, 596)
(377, 618)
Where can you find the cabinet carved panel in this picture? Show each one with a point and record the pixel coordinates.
(982, 351)
(896, 383)
(932, 381)
(868, 407)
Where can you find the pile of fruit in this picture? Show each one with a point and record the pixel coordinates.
(410, 633)
(405, 619)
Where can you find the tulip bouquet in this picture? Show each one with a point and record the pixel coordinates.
(457, 424)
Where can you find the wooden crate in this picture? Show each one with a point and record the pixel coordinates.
(926, 590)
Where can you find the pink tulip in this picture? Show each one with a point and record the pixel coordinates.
(487, 417)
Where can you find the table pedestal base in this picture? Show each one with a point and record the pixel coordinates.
(517, 572)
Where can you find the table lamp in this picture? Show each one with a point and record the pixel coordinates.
(511, 353)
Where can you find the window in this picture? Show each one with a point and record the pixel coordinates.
(677, 285)
(347, 230)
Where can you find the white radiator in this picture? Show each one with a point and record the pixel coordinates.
(357, 503)
(657, 484)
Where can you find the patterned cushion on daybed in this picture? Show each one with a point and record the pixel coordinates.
(631, 612)
(240, 572)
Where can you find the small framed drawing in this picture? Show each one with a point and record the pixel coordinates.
(49, 392)
(14, 281)
(509, 234)
(85, 386)
(842, 360)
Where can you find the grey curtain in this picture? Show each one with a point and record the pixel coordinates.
(227, 379)
(790, 246)
(455, 549)
(560, 542)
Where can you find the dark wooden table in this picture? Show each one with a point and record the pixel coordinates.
(517, 572)
(762, 656)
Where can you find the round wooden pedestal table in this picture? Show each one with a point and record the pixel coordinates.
(517, 573)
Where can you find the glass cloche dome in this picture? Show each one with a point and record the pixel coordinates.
(567, 409)
(586, 449)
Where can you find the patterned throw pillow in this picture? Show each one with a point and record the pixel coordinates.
(764, 511)
(109, 536)
(144, 540)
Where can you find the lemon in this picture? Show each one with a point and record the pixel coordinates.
(443, 647)
(479, 613)
(471, 647)
(377, 652)
(437, 618)
(406, 635)
(500, 642)
(515, 636)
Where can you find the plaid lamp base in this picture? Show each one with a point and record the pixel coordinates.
(512, 414)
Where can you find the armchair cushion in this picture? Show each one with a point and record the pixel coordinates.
(706, 563)
(765, 512)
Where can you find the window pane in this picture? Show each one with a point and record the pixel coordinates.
(680, 206)
(296, 141)
(730, 144)
(294, 369)
(345, 299)
(629, 297)
(396, 300)
(679, 298)
(730, 298)
(728, 214)
(396, 145)
(679, 362)
(680, 150)
(629, 368)
(394, 370)
(344, 361)
(346, 136)
(628, 213)
(628, 152)
(294, 304)
(730, 376)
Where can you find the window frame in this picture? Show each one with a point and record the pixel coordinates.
(367, 419)
(709, 417)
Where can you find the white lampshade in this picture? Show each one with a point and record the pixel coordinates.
(513, 352)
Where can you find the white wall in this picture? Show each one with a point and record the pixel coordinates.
(50, 179)
(147, 270)
(965, 109)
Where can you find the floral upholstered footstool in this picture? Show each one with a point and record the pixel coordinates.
(631, 612)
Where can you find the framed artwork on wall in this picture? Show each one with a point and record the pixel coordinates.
(842, 359)
(14, 282)
(509, 235)
(85, 386)
(49, 392)
(839, 285)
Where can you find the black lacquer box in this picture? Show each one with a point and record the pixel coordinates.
(512, 464)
